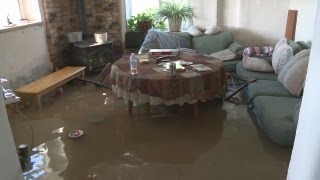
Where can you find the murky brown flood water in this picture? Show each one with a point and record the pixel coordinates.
(161, 144)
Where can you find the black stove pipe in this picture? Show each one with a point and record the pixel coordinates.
(83, 18)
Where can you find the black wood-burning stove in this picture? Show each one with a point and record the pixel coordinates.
(94, 56)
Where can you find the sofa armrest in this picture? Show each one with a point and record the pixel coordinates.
(237, 49)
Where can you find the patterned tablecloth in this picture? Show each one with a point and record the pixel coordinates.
(155, 86)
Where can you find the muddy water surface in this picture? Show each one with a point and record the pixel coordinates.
(156, 144)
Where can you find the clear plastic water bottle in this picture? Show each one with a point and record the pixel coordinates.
(133, 64)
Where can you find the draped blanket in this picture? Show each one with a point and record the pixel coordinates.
(162, 40)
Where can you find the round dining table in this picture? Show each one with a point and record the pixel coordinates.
(201, 79)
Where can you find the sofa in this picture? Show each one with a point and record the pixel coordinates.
(276, 98)
(204, 44)
(248, 75)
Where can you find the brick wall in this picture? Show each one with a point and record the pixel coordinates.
(61, 16)
(101, 11)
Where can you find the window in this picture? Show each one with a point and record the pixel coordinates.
(134, 7)
(18, 10)
(9, 9)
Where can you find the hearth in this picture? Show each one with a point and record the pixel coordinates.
(94, 56)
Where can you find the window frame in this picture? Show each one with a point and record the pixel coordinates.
(128, 14)
(30, 15)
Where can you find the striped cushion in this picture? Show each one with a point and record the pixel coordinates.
(258, 51)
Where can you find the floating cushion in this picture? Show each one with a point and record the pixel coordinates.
(256, 64)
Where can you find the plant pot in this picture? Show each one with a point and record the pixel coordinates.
(74, 36)
(175, 24)
(144, 26)
(101, 37)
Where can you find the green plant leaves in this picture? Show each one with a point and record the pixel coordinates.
(148, 15)
(175, 9)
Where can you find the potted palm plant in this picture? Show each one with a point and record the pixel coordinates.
(175, 12)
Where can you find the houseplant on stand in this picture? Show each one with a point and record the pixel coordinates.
(102, 35)
(138, 27)
(175, 12)
(144, 21)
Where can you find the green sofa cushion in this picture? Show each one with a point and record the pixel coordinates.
(266, 88)
(249, 75)
(295, 46)
(275, 117)
(304, 45)
(236, 47)
(207, 44)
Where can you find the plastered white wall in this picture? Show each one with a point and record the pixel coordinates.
(305, 158)
(205, 11)
(9, 163)
(306, 18)
(24, 55)
(255, 22)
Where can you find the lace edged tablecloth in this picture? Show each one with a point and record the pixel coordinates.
(156, 87)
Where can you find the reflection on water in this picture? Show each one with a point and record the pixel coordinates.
(58, 131)
(161, 143)
(48, 159)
